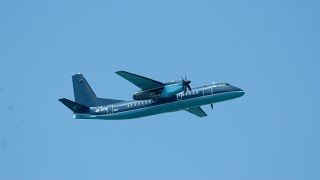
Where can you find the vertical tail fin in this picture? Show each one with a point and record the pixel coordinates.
(83, 94)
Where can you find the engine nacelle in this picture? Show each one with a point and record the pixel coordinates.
(163, 92)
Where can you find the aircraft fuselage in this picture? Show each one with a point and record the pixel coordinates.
(135, 109)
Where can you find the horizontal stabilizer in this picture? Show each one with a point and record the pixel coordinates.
(73, 106)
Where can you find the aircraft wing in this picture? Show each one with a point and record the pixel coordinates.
(197, 111)
(140, 81)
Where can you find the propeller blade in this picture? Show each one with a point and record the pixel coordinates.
(185, 83)
(211, 106)
(188, 86)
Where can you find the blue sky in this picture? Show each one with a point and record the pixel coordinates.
(268, 48)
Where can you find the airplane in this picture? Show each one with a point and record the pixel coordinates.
(154, 98)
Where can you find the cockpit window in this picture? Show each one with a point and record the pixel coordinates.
(221, 85)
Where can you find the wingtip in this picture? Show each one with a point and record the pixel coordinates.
(61, 99)
(117, 72)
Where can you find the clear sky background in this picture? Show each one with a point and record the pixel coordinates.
(271, 49)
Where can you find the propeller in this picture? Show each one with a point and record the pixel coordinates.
(185, 83)
(211, 106)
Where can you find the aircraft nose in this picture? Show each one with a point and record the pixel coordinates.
(239, 91)
(242, 92)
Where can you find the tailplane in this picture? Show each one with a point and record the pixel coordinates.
(73, 106)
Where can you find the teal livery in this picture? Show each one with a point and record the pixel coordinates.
(154, 98)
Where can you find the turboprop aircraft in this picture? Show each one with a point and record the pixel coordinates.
(154, 98)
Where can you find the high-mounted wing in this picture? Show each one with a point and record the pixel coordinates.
(140, 81)
(197, 111)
